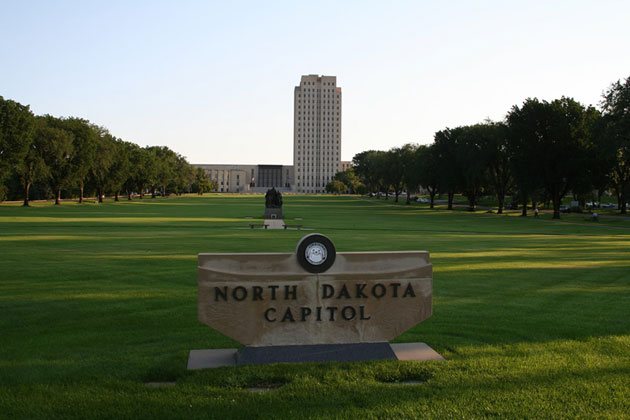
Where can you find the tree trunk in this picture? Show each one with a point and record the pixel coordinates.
(81, 192)
(141, 192)
(152, 191)
(471, 202)
(622, 203)
(524, 197)
(432, 198)
(129, 195)
(501, 197)
(27, 187)
(450, 200)
(618, 194)
(599, 198)
(396, 199)
(58, 199)
(100, 195)
(556, 205)
(116, 195)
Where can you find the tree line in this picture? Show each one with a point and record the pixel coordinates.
(45, 156)
(539, 153)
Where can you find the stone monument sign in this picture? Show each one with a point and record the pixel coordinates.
(314, 304)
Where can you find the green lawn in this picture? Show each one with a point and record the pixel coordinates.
(96, 301)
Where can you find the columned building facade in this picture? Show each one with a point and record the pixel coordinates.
(316, 133)
(250, 178)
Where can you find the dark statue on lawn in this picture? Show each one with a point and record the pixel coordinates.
(273, 199)
(273, 204)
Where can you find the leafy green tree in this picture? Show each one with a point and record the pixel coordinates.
(407, 157)
(166, 167)
(135, 158)
(59, 153)
(472, 157)
(495, 142)
(554, 137)
(524, 150)
(445, 145)
(616, 110)
(364, 165)
(392, 170)
(17, 125)
(372, 169)
(336, 187)
(593, 176)
(119, 170)
(349, 179)
(146, 168)
(85, 137)
(428, 170)
(603, 153)
(202, 182)
(33, 166)
(104, 159)
(184, 176)
(381, 161)
(161, 168)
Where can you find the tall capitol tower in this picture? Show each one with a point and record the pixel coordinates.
(316, 132)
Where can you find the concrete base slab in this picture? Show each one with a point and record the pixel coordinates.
(415, 351)
(203, 359)
(314, 353)
(274, 223)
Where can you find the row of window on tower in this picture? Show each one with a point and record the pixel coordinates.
(306, 91)
(307, 83)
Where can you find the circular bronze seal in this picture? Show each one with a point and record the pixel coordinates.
(315, 253)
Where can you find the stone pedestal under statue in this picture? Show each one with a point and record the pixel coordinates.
(273, 213)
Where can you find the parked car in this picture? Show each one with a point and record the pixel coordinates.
(609, 206)
(564, 209)
(422, 200)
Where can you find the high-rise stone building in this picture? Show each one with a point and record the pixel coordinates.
(316, 133)
(316, 147)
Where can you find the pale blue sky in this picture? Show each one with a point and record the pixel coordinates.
(214, 80)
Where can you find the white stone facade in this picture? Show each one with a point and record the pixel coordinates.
(316, 132)
(250, 178)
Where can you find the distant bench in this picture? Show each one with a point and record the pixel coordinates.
(298, 227)
(253, 225)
